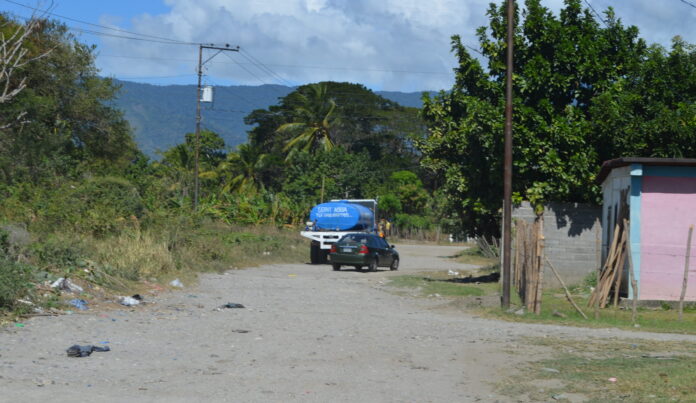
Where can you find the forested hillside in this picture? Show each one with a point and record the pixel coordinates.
(160, 114)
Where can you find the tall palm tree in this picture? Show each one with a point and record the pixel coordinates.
(312, 121)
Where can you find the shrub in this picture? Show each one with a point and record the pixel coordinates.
(15, 282)
(98, 206)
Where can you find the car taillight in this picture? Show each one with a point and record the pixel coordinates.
(364, 250)
(333, 248)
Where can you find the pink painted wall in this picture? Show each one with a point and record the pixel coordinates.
(668, 207)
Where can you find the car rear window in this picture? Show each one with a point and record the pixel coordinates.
(354, 239)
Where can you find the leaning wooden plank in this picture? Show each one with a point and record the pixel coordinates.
(686, 272)
(619, 272)
(567, 293)
(595, 297)
(614, 271)
(631, 273)
(610, 267)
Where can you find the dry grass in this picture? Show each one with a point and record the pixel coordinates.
(135, 255)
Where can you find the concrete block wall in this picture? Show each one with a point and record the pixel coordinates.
(570, 231)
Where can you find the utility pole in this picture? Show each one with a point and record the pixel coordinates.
(507, 170)
(201, 63)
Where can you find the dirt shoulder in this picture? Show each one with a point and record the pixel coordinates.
(307, 334)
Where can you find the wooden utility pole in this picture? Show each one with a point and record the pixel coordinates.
(197, 151)
(507, 170)
(322, 188)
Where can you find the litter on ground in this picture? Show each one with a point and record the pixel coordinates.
(80, 304)
(229, 305)
(84, 351)
(128, 301)
(65, 284)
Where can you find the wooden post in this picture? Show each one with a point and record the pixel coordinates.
(516, 266)
(631, 273)
(686, 272)
(539, 265)
(567, 293)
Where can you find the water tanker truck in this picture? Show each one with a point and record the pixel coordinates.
(329, 221)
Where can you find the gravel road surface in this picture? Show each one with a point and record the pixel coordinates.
(307, 334)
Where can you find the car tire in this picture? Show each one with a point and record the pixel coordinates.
(373, 265)
(336, 266)
(395, 264)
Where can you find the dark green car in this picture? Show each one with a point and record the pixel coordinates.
(363, 250)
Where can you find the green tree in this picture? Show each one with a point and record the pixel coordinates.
(344, 174)
(359, 120)
(67, 124)
(312, 120)
(413, 198)
(244, 167)
(178, 162)
(578, 86)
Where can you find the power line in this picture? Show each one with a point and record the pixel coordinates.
(595, 12)
(159, 38)
(285, 65)
(212, 81)
(106, 34)
(688, 3)
(247, 70)
(152, 77)
(133, 38)
(262, 66)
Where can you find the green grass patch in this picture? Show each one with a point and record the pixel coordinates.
(435, 283)
(473, 255)
(610, 371)
(555, 309)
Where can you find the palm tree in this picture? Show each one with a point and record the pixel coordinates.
(245, 166)
(312, 122)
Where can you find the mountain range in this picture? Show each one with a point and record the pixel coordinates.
(161, 115)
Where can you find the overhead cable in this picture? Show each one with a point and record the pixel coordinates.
(159, 38)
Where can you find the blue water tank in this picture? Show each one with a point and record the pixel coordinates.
(341, 216)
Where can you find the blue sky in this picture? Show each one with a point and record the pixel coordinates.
(400, 45)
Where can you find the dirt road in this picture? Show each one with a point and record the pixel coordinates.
(307, 334)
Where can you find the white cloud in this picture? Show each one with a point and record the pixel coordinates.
(385, 44)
